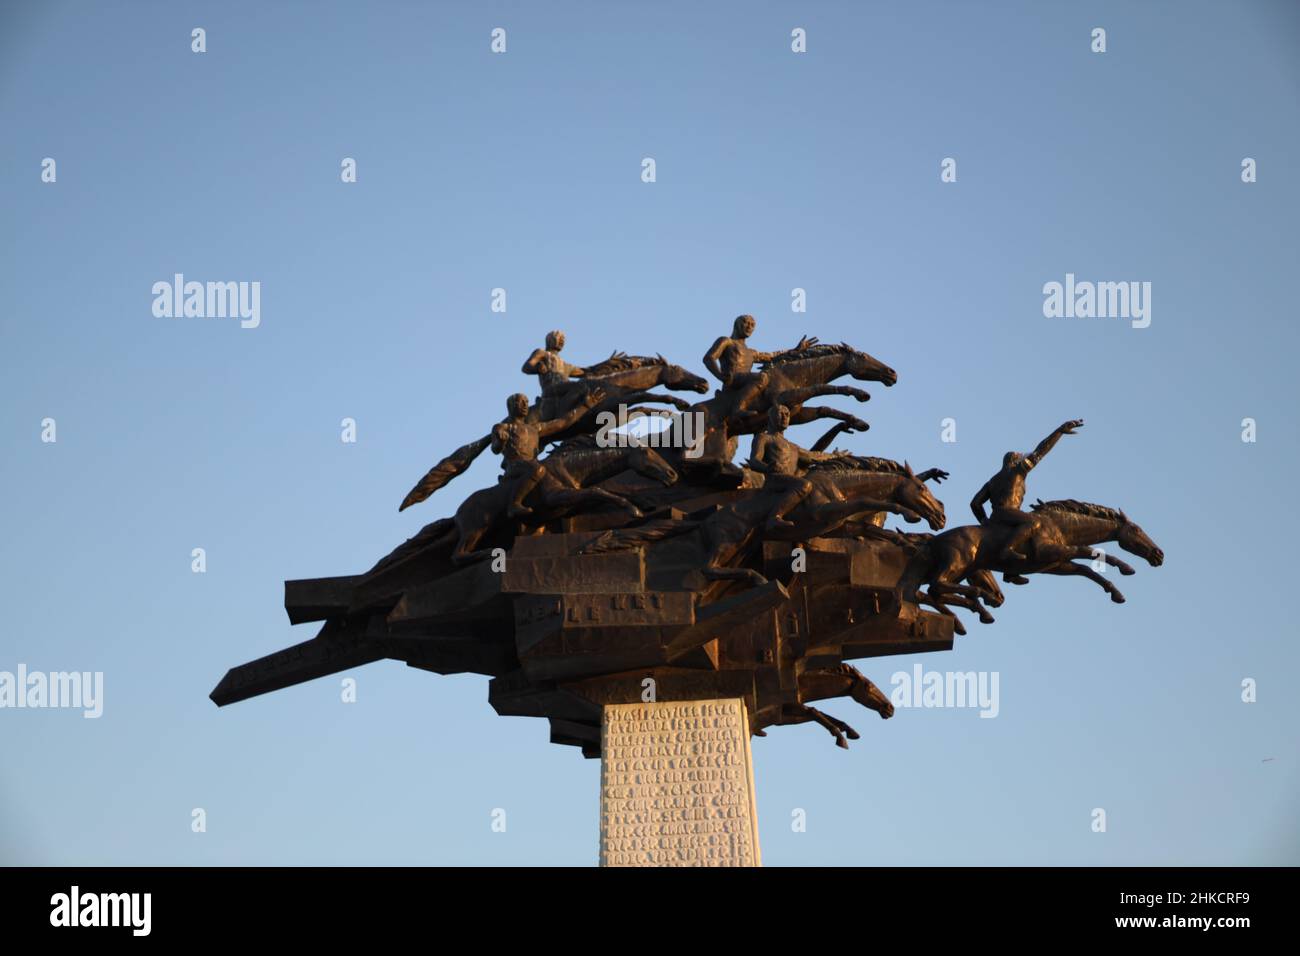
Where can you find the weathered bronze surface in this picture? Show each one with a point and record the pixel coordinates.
(613, 566)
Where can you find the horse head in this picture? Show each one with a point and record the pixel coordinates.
(680, 379)
(872, 697)
(644, 460)
(1097, 523)
(865, 368)
(1134, 540)
(914, 494)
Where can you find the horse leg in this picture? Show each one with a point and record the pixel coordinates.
(1120, 565)
(806, 415)
(924, 597)
(961, 595)
(724, 547)
(947, 569)
(578, 497)
(637, 398)
(746, 423)
(983, 580)
(850, 391)
(1069, 568)
(797, 396)
(1091, 554)
(715, 570)
(840, 511)
(843, 728)
(802, 713)
(600, 494)
(829, 724)
(824, 442)
(970, 604)
(468, 538)
(715, 573)
(952, 587)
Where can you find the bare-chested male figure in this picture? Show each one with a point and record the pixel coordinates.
(553, 371)
(1006, 492)
(518, 441)
(558, 393)
(781, 461)
(731, 360)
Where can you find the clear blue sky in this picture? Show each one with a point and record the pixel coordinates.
(522, 171)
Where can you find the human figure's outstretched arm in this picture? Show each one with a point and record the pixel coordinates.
(1048, 443)
(803, 343)
(571, 418)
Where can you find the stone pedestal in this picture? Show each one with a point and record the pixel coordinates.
(677, 785)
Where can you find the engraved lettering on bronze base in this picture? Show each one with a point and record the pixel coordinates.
(677, 785)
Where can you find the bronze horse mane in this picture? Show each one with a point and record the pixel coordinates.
(812, 351)
(577, 443)
(1071, 506)
(619, 362)
(860, 463)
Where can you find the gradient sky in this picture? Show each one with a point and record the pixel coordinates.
(522, 171)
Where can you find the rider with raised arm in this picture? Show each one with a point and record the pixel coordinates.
(1005, 492)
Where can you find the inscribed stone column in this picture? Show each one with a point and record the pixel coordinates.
(677, 785)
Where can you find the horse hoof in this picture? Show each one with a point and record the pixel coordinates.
(852, 734)
(1118, 598)
(1126, 571)
(958, 627)
(841, 743)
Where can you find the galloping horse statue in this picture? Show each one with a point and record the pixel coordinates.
(1061, 533)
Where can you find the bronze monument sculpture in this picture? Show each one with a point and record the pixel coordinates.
(596, 568)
